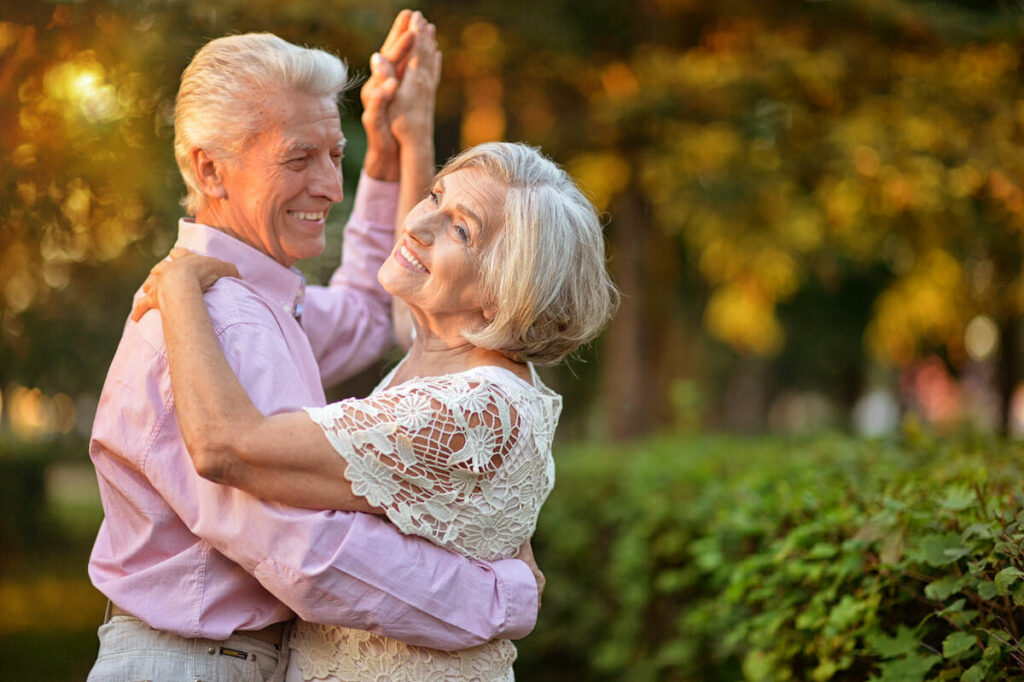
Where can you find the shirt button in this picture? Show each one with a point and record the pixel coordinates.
(254, 658)
(211, 651)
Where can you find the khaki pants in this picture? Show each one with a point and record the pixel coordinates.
(131, 651)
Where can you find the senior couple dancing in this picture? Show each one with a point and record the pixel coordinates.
(395, 527)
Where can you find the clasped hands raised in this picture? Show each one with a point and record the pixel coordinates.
(398, 97)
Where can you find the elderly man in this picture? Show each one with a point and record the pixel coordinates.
(202, 578)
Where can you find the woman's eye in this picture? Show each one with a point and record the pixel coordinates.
(463, 233)
(435, 198)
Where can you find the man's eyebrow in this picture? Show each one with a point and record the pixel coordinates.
(312, 146)
(302, 146)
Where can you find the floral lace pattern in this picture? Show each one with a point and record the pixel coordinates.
(463, 460)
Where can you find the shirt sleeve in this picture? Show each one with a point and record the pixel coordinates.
(446, 459)
(349, 321)
(345, 569)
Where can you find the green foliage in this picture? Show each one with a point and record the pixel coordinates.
(721, 559)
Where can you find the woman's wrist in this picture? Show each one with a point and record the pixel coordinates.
(178, 284)
(417, 150)
(414, 134)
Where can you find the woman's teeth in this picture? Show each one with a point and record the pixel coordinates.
(411, 258)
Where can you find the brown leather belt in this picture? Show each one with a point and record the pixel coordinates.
(272, 634)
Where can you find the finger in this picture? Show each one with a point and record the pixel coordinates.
(178, 251)
(383, 68)
(398, 27)
(377, 107)
(426, 44)
(376, 75)
(142, 306)
(376, 65)
(377, 102)
(156, 271)
(400, 55)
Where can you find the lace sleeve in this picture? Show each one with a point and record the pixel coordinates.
(448, 459)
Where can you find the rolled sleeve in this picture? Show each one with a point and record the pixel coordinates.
(516, 581)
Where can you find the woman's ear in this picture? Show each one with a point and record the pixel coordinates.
(209, 173)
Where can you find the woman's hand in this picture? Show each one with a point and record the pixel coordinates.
(183, 269)
(412, 122)
(412, 110)
(526, 556)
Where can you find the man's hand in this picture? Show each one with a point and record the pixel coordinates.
(386, 70)
(526, 555)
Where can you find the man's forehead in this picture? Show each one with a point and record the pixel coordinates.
(291, 120)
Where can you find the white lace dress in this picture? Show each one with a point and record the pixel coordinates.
(463, 460)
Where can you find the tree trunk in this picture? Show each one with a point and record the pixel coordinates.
(1006, 379)
(642, 352)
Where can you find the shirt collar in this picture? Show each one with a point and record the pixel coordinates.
(285, 287)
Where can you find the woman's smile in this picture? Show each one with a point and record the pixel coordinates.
(408, 259)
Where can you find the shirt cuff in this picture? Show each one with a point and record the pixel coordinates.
(376, 201)
(516, 581)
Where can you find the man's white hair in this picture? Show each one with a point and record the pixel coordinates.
(215, 107)
(544, 273)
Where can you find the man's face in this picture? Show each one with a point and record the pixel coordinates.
(280, 187)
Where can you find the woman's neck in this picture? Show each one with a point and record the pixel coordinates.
(431, 355)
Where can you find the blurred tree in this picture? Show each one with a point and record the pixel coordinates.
(790, 187)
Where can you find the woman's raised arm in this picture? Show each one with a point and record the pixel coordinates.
(412, 114)
(284, 458)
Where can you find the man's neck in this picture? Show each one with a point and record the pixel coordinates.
(218, 221)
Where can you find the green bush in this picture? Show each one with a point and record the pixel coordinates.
(720, 558)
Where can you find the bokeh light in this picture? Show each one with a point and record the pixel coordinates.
(981, 338)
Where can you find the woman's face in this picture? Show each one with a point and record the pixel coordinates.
(435, 266)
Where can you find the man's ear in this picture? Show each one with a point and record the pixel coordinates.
(209, 174)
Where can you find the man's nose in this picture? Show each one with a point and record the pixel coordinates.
(327, 181)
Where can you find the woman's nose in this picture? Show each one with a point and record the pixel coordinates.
(420, 229)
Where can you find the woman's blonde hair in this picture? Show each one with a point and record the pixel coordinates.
(544, 274)
(215, 107)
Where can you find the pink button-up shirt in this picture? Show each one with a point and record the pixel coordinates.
(199, 559)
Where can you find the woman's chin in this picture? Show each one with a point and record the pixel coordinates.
(389, 282)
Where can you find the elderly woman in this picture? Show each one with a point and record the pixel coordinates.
(501, 266)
